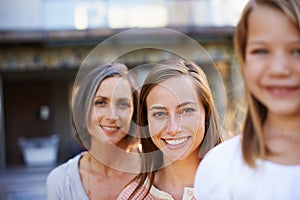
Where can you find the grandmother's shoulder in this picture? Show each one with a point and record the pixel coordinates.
(61, 171)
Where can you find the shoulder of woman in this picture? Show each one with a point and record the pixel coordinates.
(58, 174)
(62, 178)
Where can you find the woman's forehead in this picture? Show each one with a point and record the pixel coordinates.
(175, 90)
(114, 86)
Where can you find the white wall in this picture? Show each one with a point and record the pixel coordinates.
(83, 14)
(19, 14)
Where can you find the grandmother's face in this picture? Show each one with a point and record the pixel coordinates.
(112, 111)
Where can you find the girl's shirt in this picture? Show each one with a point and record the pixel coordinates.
(154, 194)
(223, 174)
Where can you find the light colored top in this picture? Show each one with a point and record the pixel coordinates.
(223, 174)
(64, 181)
(154, 194)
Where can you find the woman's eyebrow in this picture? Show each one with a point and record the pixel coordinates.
(100, 97)
(186, 103)
(157, 107)
(124, 99)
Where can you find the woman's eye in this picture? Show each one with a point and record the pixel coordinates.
(100, 103)
(124, 104)
(159, 115)
(187, 110)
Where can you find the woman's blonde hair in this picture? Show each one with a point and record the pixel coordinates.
(253, 145)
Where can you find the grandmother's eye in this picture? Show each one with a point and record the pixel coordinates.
(296, 52)
(100, 103)
(124, 103)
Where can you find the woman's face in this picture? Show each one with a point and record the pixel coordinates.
(111, 111)
(176, 118)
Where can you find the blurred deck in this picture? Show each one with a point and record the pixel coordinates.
(24, 183)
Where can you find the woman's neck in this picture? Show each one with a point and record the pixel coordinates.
(180, 173)
(97, 178)
(97, 167)
(107, 153)
(114, 156)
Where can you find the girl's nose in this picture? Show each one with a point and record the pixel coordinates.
(280, 65)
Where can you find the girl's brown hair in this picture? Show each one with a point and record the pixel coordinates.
(253, 146)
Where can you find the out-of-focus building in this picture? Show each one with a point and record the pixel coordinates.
(44, 42)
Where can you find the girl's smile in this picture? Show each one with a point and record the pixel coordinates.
(282, 91)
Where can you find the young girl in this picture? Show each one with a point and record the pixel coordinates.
(103, 110)
(264, 162)
(180, 125)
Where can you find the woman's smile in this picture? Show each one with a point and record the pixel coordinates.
(110, 129)
(176, 117)
(175, 143)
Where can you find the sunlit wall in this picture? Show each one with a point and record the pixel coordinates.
(95, 14)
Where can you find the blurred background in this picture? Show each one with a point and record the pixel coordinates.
(44, 42)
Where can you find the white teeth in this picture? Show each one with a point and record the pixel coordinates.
(176, 141)
(110, 128)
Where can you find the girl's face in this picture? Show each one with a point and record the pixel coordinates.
(111, 111)
(176, 118)
(272, 65)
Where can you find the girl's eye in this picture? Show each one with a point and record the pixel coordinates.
(296, 52)
(259, 51)
(187, 110)
(159, 115)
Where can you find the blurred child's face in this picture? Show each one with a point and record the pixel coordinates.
(272, 65)
(176, 118)
(111, 111)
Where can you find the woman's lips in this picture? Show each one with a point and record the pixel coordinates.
(110, 129)
(175, 143)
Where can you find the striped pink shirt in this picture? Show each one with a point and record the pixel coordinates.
(154, 194)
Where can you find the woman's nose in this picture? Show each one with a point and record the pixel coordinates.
(173, 124)
(111, 113)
